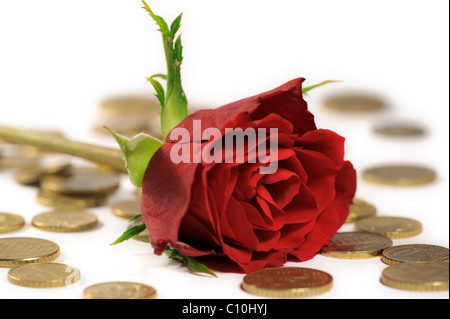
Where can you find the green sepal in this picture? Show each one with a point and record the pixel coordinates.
(160, 94)
(129, 233)
(175, 25)
(192, 264)
(159, 21)
(136, 154)
(308, 88)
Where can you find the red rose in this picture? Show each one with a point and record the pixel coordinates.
(257, 220)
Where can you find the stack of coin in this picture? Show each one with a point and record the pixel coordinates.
(32, 175)
(81, 187)
(130, 115)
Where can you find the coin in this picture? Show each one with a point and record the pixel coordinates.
(119, 290)
(16, 251)
(44, 275)
(392, 227)
(414, 253)
(399, 130)
(59, 200)
(32, 175)
(10, 222)
(356, 245)
(353, 103)
(360, 209)
(399, 175)
(129, 105)
(16, 162)
(127, 209)
(431, 276)
(65, 220)
(82, 181)
(287, 282)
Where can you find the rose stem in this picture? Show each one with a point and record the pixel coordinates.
(99, 154)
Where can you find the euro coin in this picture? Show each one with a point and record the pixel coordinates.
(65, 220)
(32, 175)
(60, 200)
(360, 209)
(355, 103)
(10, 222)
(287, 282)
(431, 276)
(356, 245)
(16, 162)
(120, 290)
(82, 181)
(399, 175)
(392, 227)
(15, 251)
(399, 130)
(45, 275)
(128, 105)
(414, 253)
(127, 209)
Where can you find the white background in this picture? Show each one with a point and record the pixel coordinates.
(58, 59)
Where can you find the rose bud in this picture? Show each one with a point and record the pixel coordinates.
(234, 209)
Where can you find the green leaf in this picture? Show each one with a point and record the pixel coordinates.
(133, 231)
(188, 262)
(308, 88)
(175, 25)
(160, 94)
(159, 21)
(178, 49)
(136, 154)
(135, 217)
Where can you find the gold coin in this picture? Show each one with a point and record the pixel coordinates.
(44, 275)
(82, 181)
(65, 220)
(16, 162)
(287, 282)
(59, 200)
(119, 290)
(356, 245)
(399, 175)
(127, 209)
(360, 209)
(16, 251)
(10, 222)
(32, 175)
(431, 276)
(129, 105)
(415, 253)
(392, 227)
(399, 130)
(353, 103)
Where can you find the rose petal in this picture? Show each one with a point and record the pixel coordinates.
(166, 195)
